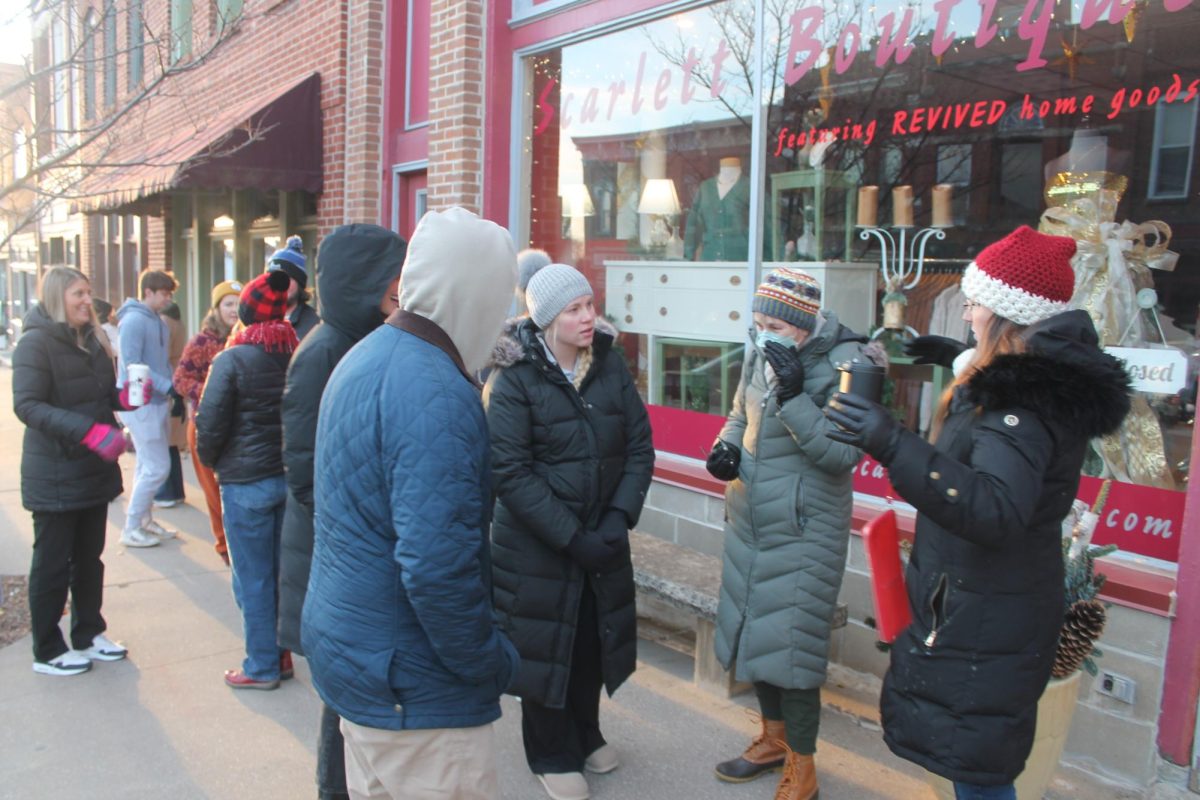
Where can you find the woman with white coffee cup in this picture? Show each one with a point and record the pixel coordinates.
(63, 391)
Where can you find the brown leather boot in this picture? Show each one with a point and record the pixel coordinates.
(799, 781)
(765, 754)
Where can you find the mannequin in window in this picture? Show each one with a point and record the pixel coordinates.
(718, 220)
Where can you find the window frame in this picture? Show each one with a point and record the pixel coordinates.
(1153, 192)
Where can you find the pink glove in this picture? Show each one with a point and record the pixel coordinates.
(147, 393)
(105, 441)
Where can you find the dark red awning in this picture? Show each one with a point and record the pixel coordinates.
(274, 144)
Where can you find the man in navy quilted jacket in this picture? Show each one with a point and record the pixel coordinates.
(398, 623)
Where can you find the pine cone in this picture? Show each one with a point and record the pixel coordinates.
(1082, 627)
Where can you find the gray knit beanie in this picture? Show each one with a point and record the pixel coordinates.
(552, 289)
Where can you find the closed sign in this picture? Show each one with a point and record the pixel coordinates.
(1159, 371)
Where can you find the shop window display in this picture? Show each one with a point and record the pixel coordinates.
(1077, 117)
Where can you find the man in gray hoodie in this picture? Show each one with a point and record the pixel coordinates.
(145, 340)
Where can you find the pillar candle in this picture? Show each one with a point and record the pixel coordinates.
(902, 207)
(868, 206)
(943, 215)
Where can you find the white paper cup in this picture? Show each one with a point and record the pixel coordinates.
(138, 375)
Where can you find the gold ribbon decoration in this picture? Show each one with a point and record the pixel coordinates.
(1112, 262)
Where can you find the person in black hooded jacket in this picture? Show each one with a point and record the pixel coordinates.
(985, 581)
(572, 459)
(357, 284)
(64, 391)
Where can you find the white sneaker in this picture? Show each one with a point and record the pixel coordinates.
(154, 528)
(166, 503)
(565, 785)
(71, 662)
(105, 649)
(602, 760)
(139, 538)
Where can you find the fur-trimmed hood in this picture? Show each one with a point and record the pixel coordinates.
(509, 349)
(1063, 376)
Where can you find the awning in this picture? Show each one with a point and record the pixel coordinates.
(273, 144)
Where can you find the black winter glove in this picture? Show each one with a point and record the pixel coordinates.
(863, 424)
(614, 526)
(940, 350)
(723, 461)
(789, 370)
(591, 552)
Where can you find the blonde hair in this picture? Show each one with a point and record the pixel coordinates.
(583, 356)
(1000, 337)
(53, 297)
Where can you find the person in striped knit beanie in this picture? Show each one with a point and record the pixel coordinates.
(787, 527)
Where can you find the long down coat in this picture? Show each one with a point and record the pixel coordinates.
(59, 391)
(985, 580)
(560, 458)
(787, 519)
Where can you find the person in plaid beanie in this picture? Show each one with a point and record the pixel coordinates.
(239, 434)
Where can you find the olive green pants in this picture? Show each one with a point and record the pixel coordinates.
(800, 710)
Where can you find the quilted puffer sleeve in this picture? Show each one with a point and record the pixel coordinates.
(523, 492)
(218, 404)
(307, 375)
(735, 426)
(438, 496)
(639, 451)
(33, 387)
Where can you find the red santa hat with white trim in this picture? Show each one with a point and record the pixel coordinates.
(1025, 277)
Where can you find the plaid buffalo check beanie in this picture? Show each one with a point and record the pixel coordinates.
(262, 308)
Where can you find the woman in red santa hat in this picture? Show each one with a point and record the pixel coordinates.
(985, 581)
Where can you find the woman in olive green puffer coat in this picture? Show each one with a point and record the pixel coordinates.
(787, 508)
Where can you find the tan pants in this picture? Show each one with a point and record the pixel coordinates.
(437, 764)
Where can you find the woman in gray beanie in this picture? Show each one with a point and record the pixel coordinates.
(572, 460)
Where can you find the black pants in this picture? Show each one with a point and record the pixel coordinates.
(66, 556)
(331, 757)
(800, 711)
(560, 739)
(172, 487)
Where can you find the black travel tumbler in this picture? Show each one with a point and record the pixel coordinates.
(862, 378)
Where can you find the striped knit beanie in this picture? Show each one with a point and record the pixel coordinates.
(791, 295)
(290, 259)
(1025, 277)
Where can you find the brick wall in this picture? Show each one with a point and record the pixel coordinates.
(456, 104)
(364, 117)
(273, 46)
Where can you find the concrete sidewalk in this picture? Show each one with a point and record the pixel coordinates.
(163, 724)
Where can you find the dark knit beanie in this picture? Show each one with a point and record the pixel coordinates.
(264, 298)
(791, 295)
(290, 260)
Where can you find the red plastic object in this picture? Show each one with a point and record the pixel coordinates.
(882, 540)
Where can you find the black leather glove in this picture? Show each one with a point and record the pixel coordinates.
(789, 371)
(940, 350)
(614, 526)
(723, 461)
(591, 552)
(864, 424)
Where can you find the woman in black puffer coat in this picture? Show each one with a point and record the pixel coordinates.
(572, 461)
(239, 435)
(985, 581)
(64, 392)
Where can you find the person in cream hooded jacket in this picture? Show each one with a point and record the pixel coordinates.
(397, 623)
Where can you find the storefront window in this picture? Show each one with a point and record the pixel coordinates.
(1078, 117)
(639, 164)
